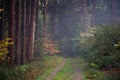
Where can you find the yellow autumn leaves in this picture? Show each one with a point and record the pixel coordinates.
(4, 47)
(117, 45)
(1, 10)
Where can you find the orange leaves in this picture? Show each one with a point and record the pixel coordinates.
(51, 47)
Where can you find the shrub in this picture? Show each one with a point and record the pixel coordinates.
(4, 48)
(99, 45)
(3, 75)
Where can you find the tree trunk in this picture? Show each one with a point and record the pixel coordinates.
(52, 20)
(115, 11)
(12, 30)
(28, 12)
(1, 19)
(93, 13)
(32, 30)
(109, 12)
(37, 8)
(18, 35)
(24, 33)
(44, 22)
(84, 7)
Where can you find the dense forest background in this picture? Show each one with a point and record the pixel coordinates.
(35, 30)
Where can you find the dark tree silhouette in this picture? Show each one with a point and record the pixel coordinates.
(93, 12)
(1, 19)
(84, 7)
(31, 30)
(12, 30)
(18, 32)
(44, 21)
(24, 32)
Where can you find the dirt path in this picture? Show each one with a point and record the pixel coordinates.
(51, 76)
(77, 70)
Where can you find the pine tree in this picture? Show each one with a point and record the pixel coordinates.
(12, 30)
(18, 33)
(32, 30)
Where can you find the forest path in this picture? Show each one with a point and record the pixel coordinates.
(77, 69)
(51, 76)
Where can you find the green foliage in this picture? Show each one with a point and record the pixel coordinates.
(100, 47)
(93, 65)
(13, 73)
(3, 75)
(93, 74)
(19, 70)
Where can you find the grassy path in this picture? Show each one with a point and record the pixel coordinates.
(66, 73)
(67, 69)
(71, 70)
(51, 76)
(77, 70)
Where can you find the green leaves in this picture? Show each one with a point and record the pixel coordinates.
(101, 50)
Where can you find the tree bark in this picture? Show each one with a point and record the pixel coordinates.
(1, 19)
(84, 7)
(12, 31)
(18, 33)
(31, 31)
(44, 22)
(115, 11)
(52, 19)
(24, 33)
(93, 13)
(37, 8)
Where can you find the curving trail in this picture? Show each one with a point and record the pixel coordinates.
(76, 68)
(51, 76)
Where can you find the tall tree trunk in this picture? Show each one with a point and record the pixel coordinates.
(28, 12)
(115, 11)
(18, 35)
(52, 19)
(109, 12)
(32, 30)
(44, 22)
(84, 7)
(1, 19)
(37, 8)
(93, 13)
(24, 33)
(12, 30)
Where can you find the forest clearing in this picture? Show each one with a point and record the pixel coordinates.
(59, 39)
